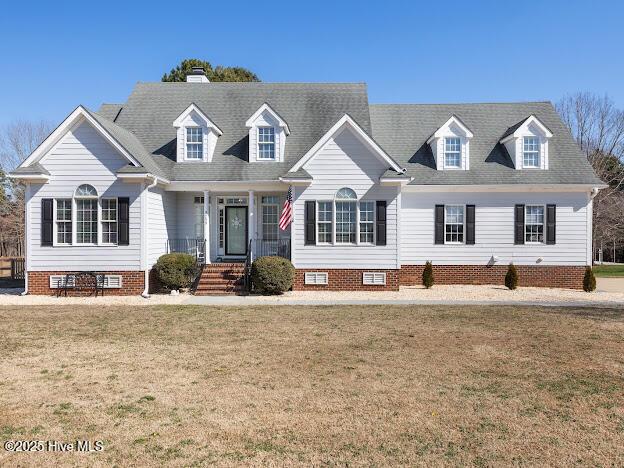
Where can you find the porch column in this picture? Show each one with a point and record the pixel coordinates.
(207, 225)
(252, 216)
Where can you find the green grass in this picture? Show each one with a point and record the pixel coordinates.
(609, 271)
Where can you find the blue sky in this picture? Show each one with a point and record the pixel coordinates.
(57, 55)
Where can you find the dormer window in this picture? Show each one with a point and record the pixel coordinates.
(196, 135)
(452, 152)
(266, 143)
(531, 152)
(450, 145)
(267, 135)
(527, 143)
(194, 143)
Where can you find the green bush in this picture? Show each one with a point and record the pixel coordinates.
(176, 270)
(427, 276)
(511, 278)
(272, 275)
(589, 280)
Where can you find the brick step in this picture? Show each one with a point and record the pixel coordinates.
(219, 276)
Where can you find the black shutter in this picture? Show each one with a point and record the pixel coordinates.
(310, 222)
(381, 222)
(470, 224)
(123, 221)
(519, 224)
(551, 224)
(439, 224)
(47, 220)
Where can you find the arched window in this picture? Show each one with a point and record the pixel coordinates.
(86, 214)
(86, 191)
(346, 216)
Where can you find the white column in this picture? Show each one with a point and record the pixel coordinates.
(207, 226)
(251, 224)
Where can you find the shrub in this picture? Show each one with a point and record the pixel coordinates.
(511, 278)
(176, 270)
(427, 276)
(589, 280)
(272, 275)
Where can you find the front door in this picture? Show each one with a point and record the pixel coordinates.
(236, 230)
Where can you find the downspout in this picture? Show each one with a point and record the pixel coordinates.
(145, 293)
(26, 238)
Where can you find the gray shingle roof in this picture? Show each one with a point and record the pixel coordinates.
(110, 111)
(403, 129)
(310, 110)
(33, 169)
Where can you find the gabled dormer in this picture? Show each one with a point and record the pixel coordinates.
(197, 135)
(267, 135)
(527, 143)
(450, 145)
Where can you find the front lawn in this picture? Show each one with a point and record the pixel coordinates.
(609, 271)
(358, 385)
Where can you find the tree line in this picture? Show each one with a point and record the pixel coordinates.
(594, 121)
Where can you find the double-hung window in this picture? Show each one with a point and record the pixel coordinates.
(194, 143)
(64, 221)
(266, 143)
(534, 223)
(452, 152)
(325, 215)
(109, 220)
(531, 152)
(270, 217)
(367, 222)
(454, 224)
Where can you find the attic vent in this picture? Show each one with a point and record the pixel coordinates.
(197, 75)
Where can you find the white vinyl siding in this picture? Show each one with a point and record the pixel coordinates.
(344, 162)
(83, 156)
(161, 221)
(494, 230)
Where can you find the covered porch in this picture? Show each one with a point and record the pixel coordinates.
(229, 226)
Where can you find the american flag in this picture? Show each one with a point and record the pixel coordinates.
(287, 212)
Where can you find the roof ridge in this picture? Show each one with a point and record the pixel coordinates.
(456, 103)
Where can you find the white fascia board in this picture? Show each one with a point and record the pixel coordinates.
(142, 177)
(265, 107)
(79, 113)
(194, 108)
(295, 181)
(452, 120)
(347, 121)
(395, 181)
(34, 178)
(227, 186)
(503, 188)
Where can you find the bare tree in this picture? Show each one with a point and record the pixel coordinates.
(17, 140)
(598, 127)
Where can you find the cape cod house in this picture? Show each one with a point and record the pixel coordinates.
(377, 190)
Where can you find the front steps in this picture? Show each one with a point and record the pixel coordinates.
(218, 279)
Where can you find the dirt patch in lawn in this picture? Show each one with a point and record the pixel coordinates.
(315, 385)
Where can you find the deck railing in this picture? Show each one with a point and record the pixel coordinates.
(194, 247)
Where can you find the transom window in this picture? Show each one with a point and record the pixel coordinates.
(454, 224)
(266, 143)
(531, 151)
(64, 221)
(109, 220)
(452, 152)
(270, 217)
(86, 190)
(367, 222)
(194, 143)
(534, 223)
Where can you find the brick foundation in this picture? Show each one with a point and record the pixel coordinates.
(132, 283)
(346, 280)
(570, 277)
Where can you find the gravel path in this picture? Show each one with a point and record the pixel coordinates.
(455, 294)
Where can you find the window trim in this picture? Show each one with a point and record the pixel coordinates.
(373, 222)
(332, 223)
(539, 152)
(102, 221)
(277, 210)
(258, 143)
(98, 233)
(543, 241)
(463, 241)
(201, 144)
(55, 231)
(461, 146)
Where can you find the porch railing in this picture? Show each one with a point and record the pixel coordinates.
(194, 247)
(263, 248)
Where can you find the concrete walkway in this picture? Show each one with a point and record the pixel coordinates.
(614, 285)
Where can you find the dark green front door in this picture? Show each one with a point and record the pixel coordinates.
(235, 230)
